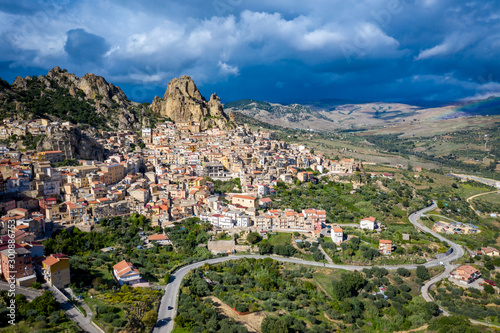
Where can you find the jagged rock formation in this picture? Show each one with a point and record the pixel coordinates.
(109, 102)
(73, 144)
(183, 103)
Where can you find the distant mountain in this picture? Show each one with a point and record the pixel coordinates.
(332, 114)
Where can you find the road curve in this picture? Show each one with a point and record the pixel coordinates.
(168, 305)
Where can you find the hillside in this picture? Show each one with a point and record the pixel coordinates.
(90, 100)
(61, 95)
(337, 114)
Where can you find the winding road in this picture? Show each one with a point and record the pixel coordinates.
(168, 305)
(478, 195)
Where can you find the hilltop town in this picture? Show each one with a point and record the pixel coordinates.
(91, 212)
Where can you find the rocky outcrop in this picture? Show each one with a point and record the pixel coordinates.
(183, 103)
(93, 86)
(73, 144)
(108, 100)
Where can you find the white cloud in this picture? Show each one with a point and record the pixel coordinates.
(451, 44)
(434, 51)
(226, 69)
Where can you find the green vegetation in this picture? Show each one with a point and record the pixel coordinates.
(41, 102)
(66, 162)
(469, 302)
(296, 298)
(220, 186)
(42, 314)
(131, 309)
(342, 207)
(89, 264)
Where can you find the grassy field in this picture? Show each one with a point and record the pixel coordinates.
(493, 197)
(281, 238)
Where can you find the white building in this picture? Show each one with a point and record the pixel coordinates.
(368, 223)
(125, 273)
(146, 131)
(337, 235)
(226, 222)
(243, 221)
(262, 190)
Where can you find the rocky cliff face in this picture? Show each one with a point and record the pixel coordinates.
(183, 102)
(73, 144)
(108, 100)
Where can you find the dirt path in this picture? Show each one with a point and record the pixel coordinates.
(252, 321)
(418, 329)
(477, 195)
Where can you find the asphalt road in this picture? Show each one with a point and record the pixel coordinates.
(29, 293)
(168, 306)
(490, 182)
(73, 313)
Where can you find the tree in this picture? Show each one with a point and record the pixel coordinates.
(150, 318)
(166, 278)
(253, 238)
(241, 307)
(431, 309)
(488, 289)
(489, 265)
(267, 283)
(403, 272)
(370, 254)
(440, 204)
(452, 324)
(354, 243)
(348, 285)
(423, 273)
(273, 325)
(265, 248)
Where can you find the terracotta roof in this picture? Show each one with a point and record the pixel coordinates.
(158, 237)
(50, 261)
(247, 197)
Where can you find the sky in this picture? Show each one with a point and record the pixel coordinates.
(281, 51)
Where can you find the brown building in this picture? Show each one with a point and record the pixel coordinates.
(20, 267)
(385, 246)
(467, 273)
(245, 201)
(116, 172)
(56, 270)
(50, 156)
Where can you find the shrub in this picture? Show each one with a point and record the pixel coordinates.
(423, 273)
(119, 322)
(108, 317)
(403, 272)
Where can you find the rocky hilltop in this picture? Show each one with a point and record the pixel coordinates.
(104, 104)
(183, 103)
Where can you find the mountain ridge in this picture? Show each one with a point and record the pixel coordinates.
(331, 114)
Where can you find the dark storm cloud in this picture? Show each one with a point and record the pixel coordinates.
(279, 50)
(83, 46)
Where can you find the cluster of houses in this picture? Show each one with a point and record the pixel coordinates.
(458, 228)
(166, 173)
(468, 274)
(22, 261)
(385, 246)
(167, 180)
